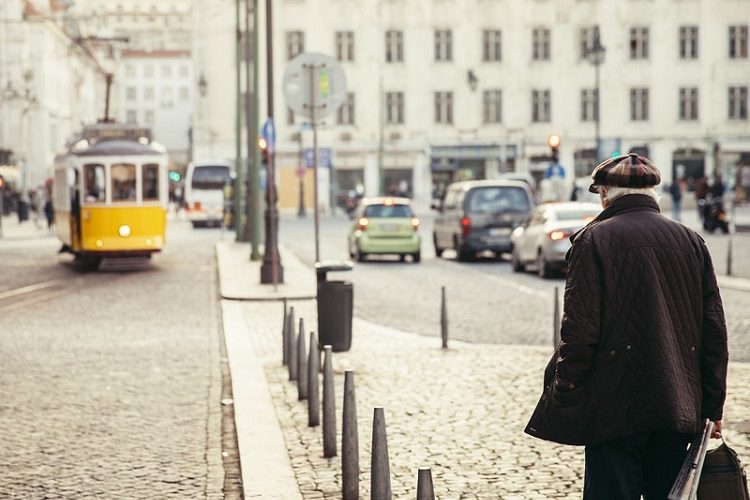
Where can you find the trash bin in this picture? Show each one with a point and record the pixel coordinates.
(335, 306)
(23, 210)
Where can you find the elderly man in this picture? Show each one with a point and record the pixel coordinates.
(642, 359)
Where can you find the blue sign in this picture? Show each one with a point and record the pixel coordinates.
(324, 157)
(269, 134)
(555, 170)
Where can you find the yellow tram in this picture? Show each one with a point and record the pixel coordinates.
(111, 194)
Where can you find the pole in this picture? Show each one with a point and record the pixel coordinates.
(252, 132)
(381, 145)
(237, 223)
(349, 442)
(254, 200)
(596, 109)
(313, 119)
(271, 271)
(302, 169)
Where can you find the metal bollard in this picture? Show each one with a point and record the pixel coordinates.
(350, 441)
(380, 480)
(444, 320)
(293, 361)
(329, 405)
(556, 319)
(301, 367)
(289, 334)
(425, 490)
(729, 255)
(284, 338)
(313, 383)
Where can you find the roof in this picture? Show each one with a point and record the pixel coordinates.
(381, 200)
(491, 182)
(116, 147)
(569, 205)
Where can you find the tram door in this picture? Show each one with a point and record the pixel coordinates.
(75, 211)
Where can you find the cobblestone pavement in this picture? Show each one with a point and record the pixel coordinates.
(460, 412)
(112, 388)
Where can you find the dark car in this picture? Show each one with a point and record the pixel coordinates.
(480, 215)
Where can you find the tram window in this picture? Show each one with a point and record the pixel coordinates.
(94, 183)
(123, 182)
(150, 182)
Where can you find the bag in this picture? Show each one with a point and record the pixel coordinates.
(723, 476)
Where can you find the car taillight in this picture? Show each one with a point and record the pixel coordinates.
(415, 223)
(197, 205)
(466, 226)
(558, 235)
(362, 223)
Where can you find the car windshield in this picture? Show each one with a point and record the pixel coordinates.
(210, 177)
(576, 214)
(494, 199)
(387, 211)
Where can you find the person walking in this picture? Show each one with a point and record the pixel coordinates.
(675, 189)
(642, 359)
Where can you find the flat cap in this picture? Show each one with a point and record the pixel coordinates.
(631, 171)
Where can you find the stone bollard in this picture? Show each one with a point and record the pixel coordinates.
(284, 338)
(313, 383)
(329, 405)
(556, 319)
(293, 361)
(380, 480)
(350, 441)
(444, 320)
(301, 365)
(289, 334)
(425, 490)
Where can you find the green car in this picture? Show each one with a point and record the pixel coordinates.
(385, 226)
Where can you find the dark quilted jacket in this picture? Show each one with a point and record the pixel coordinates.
(643, 336)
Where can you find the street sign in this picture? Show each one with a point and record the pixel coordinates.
(314, 78)
(324, 157)
(269, 135)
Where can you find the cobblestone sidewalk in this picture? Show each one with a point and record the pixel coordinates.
(460, 412)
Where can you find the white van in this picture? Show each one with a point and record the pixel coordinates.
(204, 192)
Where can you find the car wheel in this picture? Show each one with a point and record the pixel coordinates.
(360, 255)
(464, 254)
(543, 268)
(417, 257)
(516, 263)
(438, 251)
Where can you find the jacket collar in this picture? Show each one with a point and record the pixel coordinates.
(623, 204)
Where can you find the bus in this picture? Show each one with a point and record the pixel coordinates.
(204, 192)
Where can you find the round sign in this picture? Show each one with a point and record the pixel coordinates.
(316, 83)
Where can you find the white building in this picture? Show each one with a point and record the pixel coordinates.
(49, 86)
(156, 90)
(468, 89)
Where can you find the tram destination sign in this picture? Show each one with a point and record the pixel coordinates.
(102, 131)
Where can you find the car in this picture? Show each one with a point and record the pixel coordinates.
(385, 226)
(544, 239)
(479, 216)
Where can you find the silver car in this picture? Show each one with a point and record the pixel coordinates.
(543, 239)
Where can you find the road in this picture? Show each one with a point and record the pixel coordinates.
(111, 381)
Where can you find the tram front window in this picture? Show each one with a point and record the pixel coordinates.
(150, 182)
(94, 183)
(123, 182)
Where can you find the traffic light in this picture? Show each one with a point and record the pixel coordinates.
(174, 176)
(263, 146)
(554, 144)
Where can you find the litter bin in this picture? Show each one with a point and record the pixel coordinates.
(335, 306)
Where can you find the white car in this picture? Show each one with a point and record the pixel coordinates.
(543, 239)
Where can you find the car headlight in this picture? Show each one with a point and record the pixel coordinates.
(124, 230)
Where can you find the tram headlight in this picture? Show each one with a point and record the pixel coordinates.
(124, 230)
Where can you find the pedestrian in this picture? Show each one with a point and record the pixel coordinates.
(642, 359)
(49, 213)
(700, 189)
(745, 182)
(675, 189)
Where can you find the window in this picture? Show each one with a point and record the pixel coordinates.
(387, 211)
(295, 44)
(492, 106)
(130, 93)
(167, 97)
(491, 49)
(289, 116)
(148, 93)
(130, 71)
(443, 45)
(738, 42)
(589, 105)
(738, 103)
(688, 42)
(688, 103)
(131, 117)
(394, 108)
(184, 93)
(444, 107)
(540, 106)
(639, 104)
(94, 183)
(123, 182)
(345, 45)
(166, 70)
(639, 43)
(540, 44)
(184, 71)
(588, 40)
(345, 114)
(148, 71)
(150, 182)
(394, 46)
(149, 117)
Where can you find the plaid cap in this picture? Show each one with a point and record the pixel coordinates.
(629, 170)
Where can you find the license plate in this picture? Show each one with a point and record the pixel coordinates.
(500, 231)
(389, 228)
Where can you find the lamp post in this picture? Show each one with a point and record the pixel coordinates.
(595, 55)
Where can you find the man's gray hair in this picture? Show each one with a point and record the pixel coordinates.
(614, 192)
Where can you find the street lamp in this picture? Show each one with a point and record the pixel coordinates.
(595, 55)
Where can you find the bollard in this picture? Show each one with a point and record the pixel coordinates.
(380, 480)
(289, 334)
(329, 405)
(350, 441)
(301, 365)
(556, 319)
(444, 320)
(313, 383)
(284, 338)
(425, 490)
(729, 255)
(293, 362)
